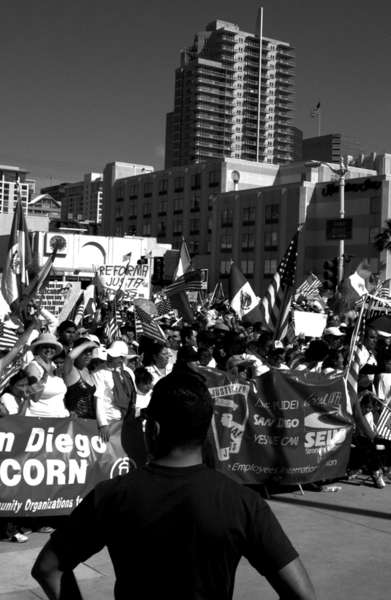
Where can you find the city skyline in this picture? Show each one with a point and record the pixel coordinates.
(86, 85)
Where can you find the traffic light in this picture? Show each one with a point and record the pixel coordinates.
(158, 270)
(330, 274)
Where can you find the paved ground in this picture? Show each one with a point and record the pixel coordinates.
(344, 539)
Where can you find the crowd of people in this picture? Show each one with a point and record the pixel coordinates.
(69, 371)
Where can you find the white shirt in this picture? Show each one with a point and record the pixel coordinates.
(106, 411)
(10, 404)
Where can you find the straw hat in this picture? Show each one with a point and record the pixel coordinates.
(47, 339)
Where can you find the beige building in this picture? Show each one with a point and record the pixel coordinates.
(175, 202)
(82, 200)
(254, 227)
(14, 183)
(248, 211)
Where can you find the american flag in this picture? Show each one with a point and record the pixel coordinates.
(112, 330)
(145, 325)
(77, 312)
(164, 307)
(310, 287)
(276, 304)
(11, 370)
(354, 363)
(8, 337)
(192, 280)
(383, 426)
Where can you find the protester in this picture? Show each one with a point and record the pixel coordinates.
(48, 390)
(210, 520)
(79, 398)
(15, 397)
(114, 388)
(66, 333)
(156, 359)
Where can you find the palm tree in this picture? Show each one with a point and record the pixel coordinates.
(383, 239)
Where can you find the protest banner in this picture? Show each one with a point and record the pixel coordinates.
(298, 430)
(48, 465)
(133, 280)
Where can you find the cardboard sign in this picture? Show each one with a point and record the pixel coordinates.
(310, 324)
(133, 280)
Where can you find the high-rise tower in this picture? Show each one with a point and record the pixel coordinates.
(231, 99)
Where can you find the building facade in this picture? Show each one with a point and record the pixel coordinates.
(175, 202)
(233, 98)
(331, 147)
(254, 227)
(14, 184)
(82, 200)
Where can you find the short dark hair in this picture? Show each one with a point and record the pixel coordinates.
(64, 326)
(183, 407)
(186, 332)
(142, 375)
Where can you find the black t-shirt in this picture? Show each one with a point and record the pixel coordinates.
(175, 533)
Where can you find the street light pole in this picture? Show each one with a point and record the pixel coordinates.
(341, 257)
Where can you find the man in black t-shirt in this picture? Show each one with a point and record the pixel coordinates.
(174, 528)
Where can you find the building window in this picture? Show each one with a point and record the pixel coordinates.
(247, 267)
(147, 209)
(179, 183)
(210, 221)
(195, 201)
(226, 217)
(162, 229)
(373, 232)
(270, 267)
(163, 186)
(194, 246)
(226, 242)
(248, 241)
(211, 199)
(132, 208)
(374, 205)
(225, 268)
(214, 178)
(133, 190)
(178, 205)
(272, 213)
(271, 240)
(196, 181)
(194, 225)
(177, 227)
(146, 229)
(163, 206)
(148, 187)
(248, 215)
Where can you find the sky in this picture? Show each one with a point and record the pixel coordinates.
(87, 82)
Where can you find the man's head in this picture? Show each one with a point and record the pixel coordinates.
(66, 333)
(189, 336)
(178, 415)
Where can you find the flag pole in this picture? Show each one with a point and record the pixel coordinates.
(319, 120)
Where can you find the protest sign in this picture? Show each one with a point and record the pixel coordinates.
(297, 430)
(48, 465)
(311, 324)
(133, 280)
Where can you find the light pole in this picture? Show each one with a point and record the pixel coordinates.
(341, 172)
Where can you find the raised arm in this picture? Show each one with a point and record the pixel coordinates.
(12, 354)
